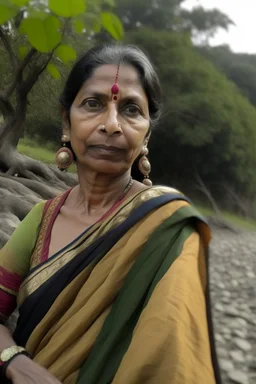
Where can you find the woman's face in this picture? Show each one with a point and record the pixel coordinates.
(126, 121)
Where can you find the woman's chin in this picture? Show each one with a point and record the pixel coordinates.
(102, 166)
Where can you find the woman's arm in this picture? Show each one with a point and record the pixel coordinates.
(6, 339)
(22, 370)
(15, 259)
(14, 264)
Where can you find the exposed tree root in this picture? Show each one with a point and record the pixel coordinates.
(24, 183)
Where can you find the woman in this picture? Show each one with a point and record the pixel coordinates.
(110, 277)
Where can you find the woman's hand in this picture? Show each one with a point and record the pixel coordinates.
(23, 370)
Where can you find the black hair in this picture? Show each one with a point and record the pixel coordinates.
(115, 54)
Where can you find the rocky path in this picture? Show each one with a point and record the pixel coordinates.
(233, 291)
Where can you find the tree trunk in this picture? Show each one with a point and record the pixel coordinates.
(23, 181)
(11, 162)
(11, 131)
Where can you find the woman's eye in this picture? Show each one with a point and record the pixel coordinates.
(132, 110)
(92, 104)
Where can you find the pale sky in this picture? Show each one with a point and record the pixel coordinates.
(242, 37)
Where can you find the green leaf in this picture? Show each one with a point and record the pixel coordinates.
(36, 13)
(19, 3)
(78, 26)
(112, 24)
(53, 70)
(7, 11)
(67, 8)
(66, 53)
(43, 35)
(23, 50)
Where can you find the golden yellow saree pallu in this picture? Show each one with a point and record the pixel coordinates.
(126, 302)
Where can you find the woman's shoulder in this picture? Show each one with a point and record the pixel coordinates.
(177, 202)
(171, 200)
(158, 198)
(38, 211)
(162, 190)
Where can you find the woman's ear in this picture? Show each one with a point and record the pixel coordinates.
(65, 124)
(66, 132)
(147, 140)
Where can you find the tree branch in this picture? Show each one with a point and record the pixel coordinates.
(202, 187)
(8, 48)
(218, 220)
(34, 75)
(27, 59)
(3, 127)
(238, 201)
(19, 71)
(5, 106)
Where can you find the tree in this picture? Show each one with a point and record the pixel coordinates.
(158, 14)
(204, 24)
(37, 37)
(44, 29)
(208, 126)
(238, 67)
(169, 15)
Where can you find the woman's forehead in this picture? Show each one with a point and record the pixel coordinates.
(105, 76)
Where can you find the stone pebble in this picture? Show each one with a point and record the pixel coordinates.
(233, 294)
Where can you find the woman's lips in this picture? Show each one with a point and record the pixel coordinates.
(107, 148)
(107, 152)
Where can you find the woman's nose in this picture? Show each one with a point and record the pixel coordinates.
(112, 124)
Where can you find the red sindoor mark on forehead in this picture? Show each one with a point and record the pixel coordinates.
(115, 87)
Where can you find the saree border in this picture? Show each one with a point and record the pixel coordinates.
(32, 309)
(50, 208)
(44, 271)
(114, 341)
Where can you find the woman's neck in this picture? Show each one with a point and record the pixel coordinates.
(99, 192)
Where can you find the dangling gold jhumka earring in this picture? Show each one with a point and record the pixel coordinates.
(145, 167)
(64, 157)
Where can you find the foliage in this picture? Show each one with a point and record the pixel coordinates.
(157, 14)
(208, 126)
(38, 35)
(169, 15)
(208, 123)
(45, 23)
(238, 67)
(204, 24)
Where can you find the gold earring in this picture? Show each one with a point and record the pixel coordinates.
(64, 156)
(145, 167)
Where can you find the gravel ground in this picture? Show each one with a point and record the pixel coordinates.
(233, 292)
